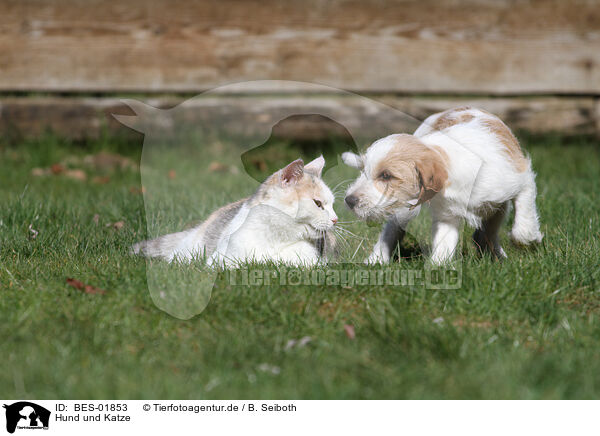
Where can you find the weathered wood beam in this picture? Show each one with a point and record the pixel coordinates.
(399, 46)
(90, 117)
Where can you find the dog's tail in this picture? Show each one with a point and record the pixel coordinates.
(526, 228)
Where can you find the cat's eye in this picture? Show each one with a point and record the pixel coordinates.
(385, 175)
(318, 203)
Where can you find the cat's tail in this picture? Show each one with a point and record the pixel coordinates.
(200, 240)
(163, 246)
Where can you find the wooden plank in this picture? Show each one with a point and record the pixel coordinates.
(79, 118)
(401, 46)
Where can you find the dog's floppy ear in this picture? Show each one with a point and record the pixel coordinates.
(293, 172)
(353, 160)
(315, 167)
(432, 175)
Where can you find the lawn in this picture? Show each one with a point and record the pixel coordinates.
(526, 328)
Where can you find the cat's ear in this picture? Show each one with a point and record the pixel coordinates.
(293, 172)
(315, 167)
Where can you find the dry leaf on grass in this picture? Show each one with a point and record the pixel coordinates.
(108, 161)
(117, 226)
(37, 172)
(101, 180)
(217, 167)
(76, 174)
(349, 329)
(88, 289)
(259, 164)
(136, 190)
(57, 168)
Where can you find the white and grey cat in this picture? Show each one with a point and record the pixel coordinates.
(289, 219)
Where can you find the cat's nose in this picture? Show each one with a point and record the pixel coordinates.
(351, 201)
(334, 220)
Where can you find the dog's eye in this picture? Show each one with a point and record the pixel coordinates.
(318, 203)
(385, 175)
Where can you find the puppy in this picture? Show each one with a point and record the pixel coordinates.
(466, 164)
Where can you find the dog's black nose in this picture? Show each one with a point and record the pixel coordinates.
(351, 201)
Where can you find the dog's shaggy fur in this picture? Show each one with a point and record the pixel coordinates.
(466, 164)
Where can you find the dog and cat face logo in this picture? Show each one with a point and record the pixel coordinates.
(26, 415)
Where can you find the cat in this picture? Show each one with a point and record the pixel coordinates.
(290, 219)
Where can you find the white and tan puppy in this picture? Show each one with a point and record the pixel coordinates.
(466, 164)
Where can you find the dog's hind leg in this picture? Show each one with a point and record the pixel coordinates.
(486, 238)
(526, 228)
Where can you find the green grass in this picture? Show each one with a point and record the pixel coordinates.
(525, 328)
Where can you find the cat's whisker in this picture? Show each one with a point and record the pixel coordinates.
(341, 188)
(350, 233)
(336, 231)
(341, 238)
(342, 235)
(339, 194)
(343, 228)
(339, 184)
(343, 242)
(357, 248)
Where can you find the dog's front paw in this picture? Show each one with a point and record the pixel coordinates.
(377, 257)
